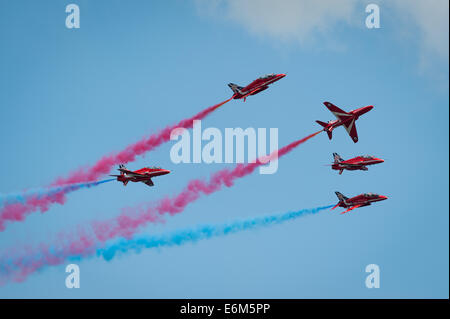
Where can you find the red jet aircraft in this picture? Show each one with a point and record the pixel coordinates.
(347, 119)
(143, 175)
(259, 85)
(353, 164)
(357, 201)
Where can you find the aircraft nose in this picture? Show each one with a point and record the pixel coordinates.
(281, 75)
(383, 197)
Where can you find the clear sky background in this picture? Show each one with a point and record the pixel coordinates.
(68, 97)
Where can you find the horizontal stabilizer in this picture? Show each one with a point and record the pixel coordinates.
(322, 123)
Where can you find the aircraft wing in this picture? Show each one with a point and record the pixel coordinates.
(351, 130)
(340, 114)
(149, 182)
(255, 90)
(351, 208)
(351, 164)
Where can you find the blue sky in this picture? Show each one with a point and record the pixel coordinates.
(70, 96)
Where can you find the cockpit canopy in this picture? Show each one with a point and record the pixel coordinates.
(154, 167)
(371, 195)
(267, 76)
(368, 156)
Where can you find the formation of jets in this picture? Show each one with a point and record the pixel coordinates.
(347, 120)
(343, 118)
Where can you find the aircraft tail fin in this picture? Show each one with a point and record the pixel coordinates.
(235, 88)
(337, 158)
(121, 168)
(341, 197)
(326, 128)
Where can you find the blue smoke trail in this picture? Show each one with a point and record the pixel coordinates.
(40, 192)
(181, 237)
(17, 265)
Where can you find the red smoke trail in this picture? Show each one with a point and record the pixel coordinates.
(17, 266)
(129, 154)
(18, 211)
